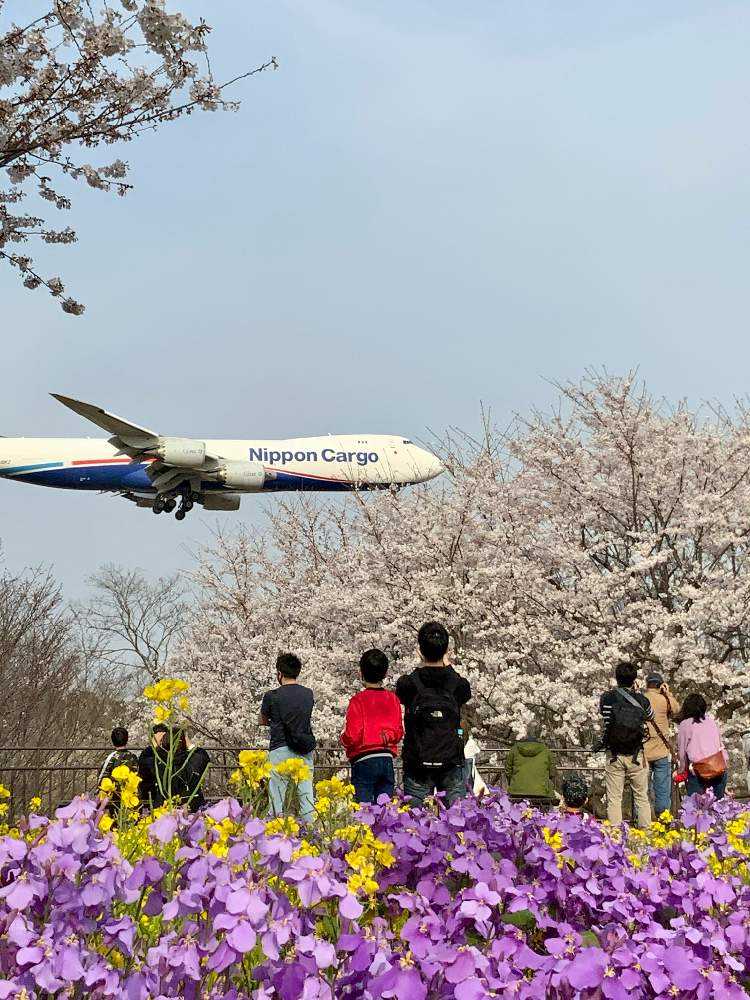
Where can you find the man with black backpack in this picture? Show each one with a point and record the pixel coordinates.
(433, 695)
(625, 713)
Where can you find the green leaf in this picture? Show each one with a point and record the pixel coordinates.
(524, 919)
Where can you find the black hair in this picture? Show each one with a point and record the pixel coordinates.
(433, 641)
(289, 665)
(694, 707)
(120, 737)
(159, 727)
(625, 674)
(374, 666)
(575, 791)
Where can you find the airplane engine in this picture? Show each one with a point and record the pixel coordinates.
(181, 452)
(246, 476)
(220, 501)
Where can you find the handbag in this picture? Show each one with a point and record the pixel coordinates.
(710, 767)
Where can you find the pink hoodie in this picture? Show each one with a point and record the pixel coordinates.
(698, 740)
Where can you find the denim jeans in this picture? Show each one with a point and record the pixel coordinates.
(277, 784)
(452, 782)
(696, 785)
(372, 778)
(660, 783)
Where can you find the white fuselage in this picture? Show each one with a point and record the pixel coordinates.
(335, 462)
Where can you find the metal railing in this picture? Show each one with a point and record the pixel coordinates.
(58, 774)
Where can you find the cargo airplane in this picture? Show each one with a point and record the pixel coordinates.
(173, 474)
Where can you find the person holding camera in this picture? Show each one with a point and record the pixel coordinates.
(660, 755)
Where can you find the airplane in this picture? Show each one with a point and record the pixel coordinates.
(172, 474)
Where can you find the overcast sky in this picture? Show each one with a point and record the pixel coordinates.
(428, 205)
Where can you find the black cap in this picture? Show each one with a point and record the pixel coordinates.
(654, 680)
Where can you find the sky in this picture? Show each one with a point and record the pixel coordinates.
(429, 206)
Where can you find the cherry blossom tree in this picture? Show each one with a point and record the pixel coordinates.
(76, 76)
(614, 527)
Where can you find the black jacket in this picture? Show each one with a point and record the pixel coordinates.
(179, 779)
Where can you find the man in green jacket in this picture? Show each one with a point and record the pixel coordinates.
(529, 767)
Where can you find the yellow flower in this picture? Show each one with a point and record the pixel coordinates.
(162, 713)
(305, 850)
(123, 775)
(35, 803)
(295, 769)
(334, 788)
(282, 825)
(105, 823)
(4, 793)
(361, 883)
(106, 786)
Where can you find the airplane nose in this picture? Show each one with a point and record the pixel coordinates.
(431, 466)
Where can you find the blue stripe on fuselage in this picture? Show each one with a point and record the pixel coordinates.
(91, 477)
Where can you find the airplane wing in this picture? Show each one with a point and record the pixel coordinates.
(138, 438)
(139, 442)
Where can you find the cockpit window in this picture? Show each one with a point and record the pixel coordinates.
(407, 442)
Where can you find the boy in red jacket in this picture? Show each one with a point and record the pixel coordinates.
(373, 731)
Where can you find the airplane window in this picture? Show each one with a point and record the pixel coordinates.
(407, 442)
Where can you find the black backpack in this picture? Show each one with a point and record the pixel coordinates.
(627, 731)
(435, 717)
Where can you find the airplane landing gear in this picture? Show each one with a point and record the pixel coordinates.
(186, 505)
(168, 502)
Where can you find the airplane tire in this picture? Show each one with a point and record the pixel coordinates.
(157, 507)
(169, 506)
(188, 505)
(180, 515)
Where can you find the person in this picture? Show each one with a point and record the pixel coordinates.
(625, 713)
(287, 712)
(120, 755)
(701, 748)
(180, 770)
(149, 789)
(658, 749)
(373, 731)
(575, 793)
(433, 696)
(529, 767)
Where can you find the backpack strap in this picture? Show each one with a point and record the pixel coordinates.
(633, 701)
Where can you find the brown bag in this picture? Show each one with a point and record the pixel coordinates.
(710, 767)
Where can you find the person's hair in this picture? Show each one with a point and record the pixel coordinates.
(159, 727)
(120, 737)
(625, 674)
(694, 707)
(433, 641)
(533, 731)
(575, 791)
(176, 741)
(289, 665)
(373, 666)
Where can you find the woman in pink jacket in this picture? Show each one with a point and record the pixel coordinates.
(700, 745)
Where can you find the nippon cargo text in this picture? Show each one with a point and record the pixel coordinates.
(274, 457)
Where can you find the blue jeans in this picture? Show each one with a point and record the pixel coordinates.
(696, 785)
(277, 784)
(452, 782)
(660, 781)
(372, 778)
